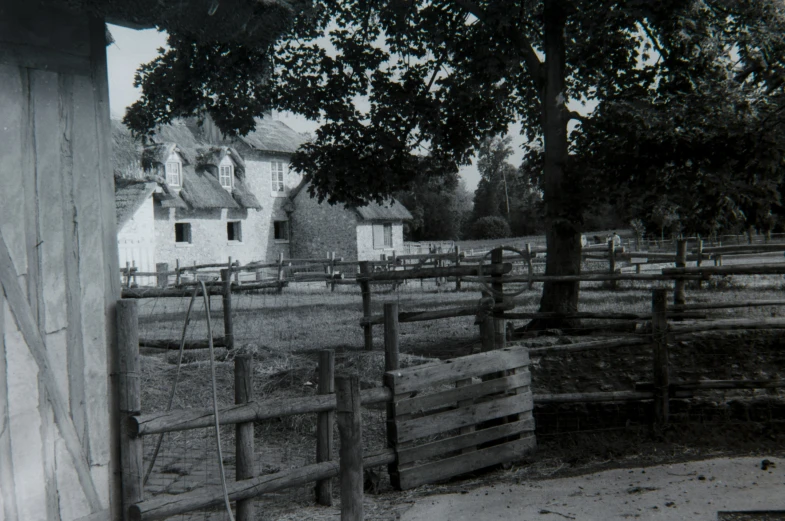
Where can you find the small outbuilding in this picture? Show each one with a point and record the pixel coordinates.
(355, 232)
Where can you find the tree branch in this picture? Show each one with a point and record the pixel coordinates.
(533, 63)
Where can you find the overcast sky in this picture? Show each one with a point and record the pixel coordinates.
(133, 48)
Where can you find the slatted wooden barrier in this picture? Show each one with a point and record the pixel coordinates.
(478, 424)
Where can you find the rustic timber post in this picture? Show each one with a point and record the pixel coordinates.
(500, 331)
(130, 402)
(681, 262)
(347, 397)
(236, 272)
(134, 269)
(177, 273)
(700, 258)
(324, 425)
(127, 274)
(530, 265)
(332, 271)
(279, 277)
(457, 263)
(226, 277)
(391, 363)
(244, 445)
(365, 289)
(612, 262)
(162, 277)
(659, 334)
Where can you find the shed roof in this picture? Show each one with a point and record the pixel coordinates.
(129, 194)
(392, 210)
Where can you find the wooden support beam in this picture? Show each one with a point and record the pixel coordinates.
(244, 445)
(347, 394)
(659, 335)
(366, 296)
(324, 425)
(130, 402)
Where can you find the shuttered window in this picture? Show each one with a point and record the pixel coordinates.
(382, 236)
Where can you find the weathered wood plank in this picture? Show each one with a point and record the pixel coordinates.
(88, 171)
(162, 507)
(32, 337)
(74, 350)
(444, 421)
(420, 404)
(15, 174)
(7, 484)
(432, 273)
(471, 439)
(422, 376)
(449, 467)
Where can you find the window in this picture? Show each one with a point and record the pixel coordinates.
(281, 230)
(226, 176)
(233, 231)
(173, 173)
(276, 168)
(182, 233)
(382, 236)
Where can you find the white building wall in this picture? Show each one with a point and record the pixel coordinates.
(136, 240)
(258, 177)
(365, 248)
(209, 241)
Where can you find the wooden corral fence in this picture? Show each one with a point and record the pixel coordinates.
(499, 405)
(478, 407)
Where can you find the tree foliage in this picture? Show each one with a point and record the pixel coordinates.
(438, 207)
(688, 98)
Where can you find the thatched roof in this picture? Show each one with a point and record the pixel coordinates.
(390, 211)
(273, 136)
(129, 195)
(214, 155)
(158, 153)
(202, 191)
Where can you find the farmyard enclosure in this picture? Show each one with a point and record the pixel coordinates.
(597, 397)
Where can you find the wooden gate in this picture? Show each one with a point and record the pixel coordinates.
(456, 416)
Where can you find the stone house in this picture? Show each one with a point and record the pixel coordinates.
(362, 232)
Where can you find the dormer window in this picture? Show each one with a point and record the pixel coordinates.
(173, 174)
(226, 173)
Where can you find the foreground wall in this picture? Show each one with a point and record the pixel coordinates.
(58, 267)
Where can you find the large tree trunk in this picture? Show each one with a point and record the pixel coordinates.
(562, 234)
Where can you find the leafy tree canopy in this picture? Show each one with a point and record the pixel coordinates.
(688, 96)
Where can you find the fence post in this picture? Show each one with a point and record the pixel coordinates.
(365, 289)
(659, 334)
(700, 258)
(226, 277)
(127, 274)
(162, 277)
(280, 272)
(681, 262)
(530, 265)
(391, 363)
(130, 402)
(500, 331)
(134, 269)
(324, 425)
(177, 273)
(244, 445)
(332, 271)
(457, 263)
(237, 272)
(347, 397)
(612, 261)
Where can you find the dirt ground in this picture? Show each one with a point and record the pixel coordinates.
(697, 490)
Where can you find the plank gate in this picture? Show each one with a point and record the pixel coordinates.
(456, 416)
